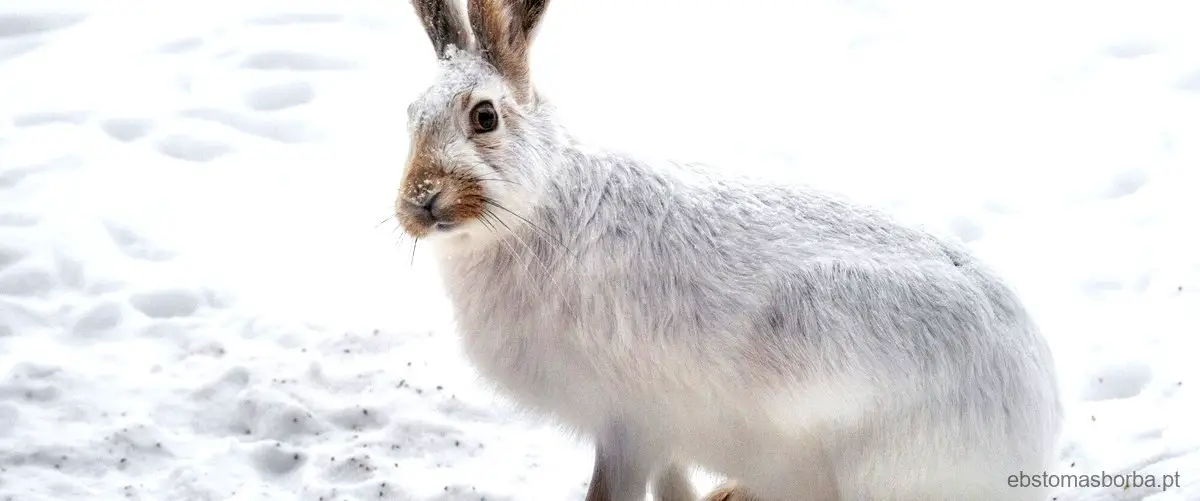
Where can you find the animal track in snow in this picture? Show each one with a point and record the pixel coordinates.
(70, 271)
(358, 418)
(280, 96)
(278, 129)
(1127, 183)
(18, 219)
(134, 245)
(192, 149)
(296, 61)
(1118, 381)
(13, 176)
(126, 129)
(275, 460)
(29, 381)
(1131, 49)
(20, 25)
(10, 256)
(9, 416)
(182, 45)
(167, 303)
(1190, 81)
(16, 46)
(51, 117)
(291, 18)
(27, 281)
(99, 318)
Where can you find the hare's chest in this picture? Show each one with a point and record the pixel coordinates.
(540, 368)
(533, 352)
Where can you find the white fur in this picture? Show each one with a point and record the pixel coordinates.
(807, 346)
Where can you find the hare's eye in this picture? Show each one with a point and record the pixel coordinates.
(484, 118)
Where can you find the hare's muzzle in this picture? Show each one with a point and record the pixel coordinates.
(439, 203)
(425, 212)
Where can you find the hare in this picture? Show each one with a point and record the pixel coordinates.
(679, 316)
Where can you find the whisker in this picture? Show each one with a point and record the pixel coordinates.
(483, 179)
(528, 222)
(484, 220)
(494, 180)
(555, 284)
(386, 219)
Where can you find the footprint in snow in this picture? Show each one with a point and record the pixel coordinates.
(274, 128)
(11, 48)
(182, 45)
(14, 175)
(1127, 183)
(10, 255)
(191, 148)
(1131, 49)
(98, 320)
(1190, 81)
(1117, 381)
(126, 129)
(272, 460)
(27, 281)
(167, 303)
(135, 245)
(295, 18)
(280, 96)
(296, 61)
(51, 117)
(23, 25)
(20, 33)
(17, 219)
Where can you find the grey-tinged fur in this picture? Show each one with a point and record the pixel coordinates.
(679, 315)
(444, 25)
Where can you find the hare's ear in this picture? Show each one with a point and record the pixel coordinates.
(444, 24)
(504, 30)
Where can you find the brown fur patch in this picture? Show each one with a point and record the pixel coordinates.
(460, 196)
(503, 31)
(729, 491)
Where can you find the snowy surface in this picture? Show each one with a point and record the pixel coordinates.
(197, 300)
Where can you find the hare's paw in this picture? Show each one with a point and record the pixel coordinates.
(729, 491)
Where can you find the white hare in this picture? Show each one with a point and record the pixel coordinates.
(679, 316)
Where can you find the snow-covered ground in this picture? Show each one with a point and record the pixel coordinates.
(198, 300)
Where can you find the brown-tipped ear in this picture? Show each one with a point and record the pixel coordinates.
(504, 30)
(444, 24)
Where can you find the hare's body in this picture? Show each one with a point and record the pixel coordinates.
(759, 331)
(680, 315)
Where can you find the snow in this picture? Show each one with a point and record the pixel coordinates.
(198, 300)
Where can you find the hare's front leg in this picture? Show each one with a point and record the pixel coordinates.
(624, 466)
(672, 484)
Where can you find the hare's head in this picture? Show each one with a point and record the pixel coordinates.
(479, 135)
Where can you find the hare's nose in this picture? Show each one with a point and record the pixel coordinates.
(425, 205)
(430, 202)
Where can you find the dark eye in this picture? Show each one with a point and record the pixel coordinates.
(484, 118)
